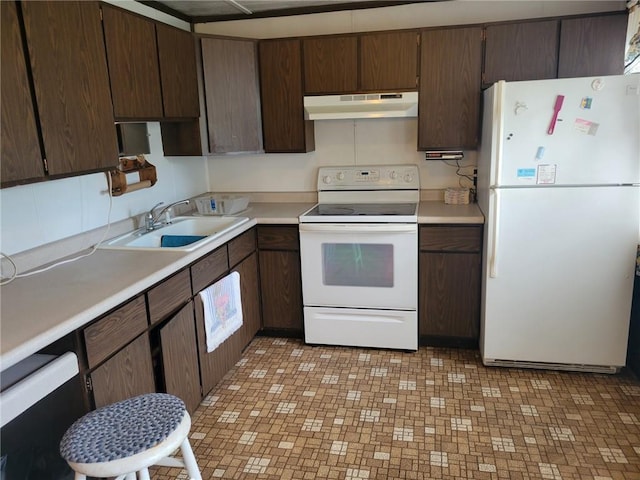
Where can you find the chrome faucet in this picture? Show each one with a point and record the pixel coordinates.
(151, 220)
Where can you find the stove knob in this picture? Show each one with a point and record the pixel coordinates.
(408, 178)
(393, 174)
(340, 176)
(326, 179)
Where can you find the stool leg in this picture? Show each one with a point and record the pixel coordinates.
(79, 476)
(143, 474)
(190, 460)
(130, 476)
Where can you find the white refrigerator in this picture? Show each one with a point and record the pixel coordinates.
(559, 183)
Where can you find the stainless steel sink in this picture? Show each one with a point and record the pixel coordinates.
(210, 228)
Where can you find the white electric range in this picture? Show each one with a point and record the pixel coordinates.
(359, 257)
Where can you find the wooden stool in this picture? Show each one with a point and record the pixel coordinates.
(126, 437)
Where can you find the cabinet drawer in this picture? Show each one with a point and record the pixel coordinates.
(451, 238)
(241, 247)
(278, 238)
(112, 332)
(168, 296)
(209, 268)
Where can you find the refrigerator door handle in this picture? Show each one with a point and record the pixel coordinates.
(498, 117)
(493, 255)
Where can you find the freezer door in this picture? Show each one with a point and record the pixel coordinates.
(558, 275)
(594, 140)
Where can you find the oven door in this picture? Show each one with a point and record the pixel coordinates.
(360, 265)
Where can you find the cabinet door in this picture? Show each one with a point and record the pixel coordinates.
(231, 91)
(281, 287)
(283, 125)
(450, 70)
(449, 293)
(330, 64)
(214, 365)
(389, 61)
(250, 294)
(68, 63)
(127, 374)
(20, 159)
(133, 65)
(521, 51)
(178, 72)
(180, 357)
(592, 46)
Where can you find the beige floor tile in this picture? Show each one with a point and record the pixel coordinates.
(291, 411)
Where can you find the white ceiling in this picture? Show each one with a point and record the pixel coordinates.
(198, 11)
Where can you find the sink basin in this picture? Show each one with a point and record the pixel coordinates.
(194, 231)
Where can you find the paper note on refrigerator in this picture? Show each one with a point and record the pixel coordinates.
(546, 174)
(585, 126)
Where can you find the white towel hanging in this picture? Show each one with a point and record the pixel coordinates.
(222, 310)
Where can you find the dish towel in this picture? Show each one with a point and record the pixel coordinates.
(222, 310)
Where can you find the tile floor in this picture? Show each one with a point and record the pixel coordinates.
(292, 411)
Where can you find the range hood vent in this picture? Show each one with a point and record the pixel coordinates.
(365, 105)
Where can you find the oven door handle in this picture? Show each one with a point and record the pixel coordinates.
(359, 228)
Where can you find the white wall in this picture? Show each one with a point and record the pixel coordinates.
(33, 215)
(338, 142)
(359, 142)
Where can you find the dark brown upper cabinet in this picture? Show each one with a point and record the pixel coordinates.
(71, 82)
(368, 62)
(20, 155)
(178, 72)
(592, 46)
(232, 95)
(388, 61)
(283, 126)
(330, 64)
(152, 68)
(450, 90)
(133, 65)
(521, 51)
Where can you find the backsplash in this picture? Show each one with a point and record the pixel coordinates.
(338, 142)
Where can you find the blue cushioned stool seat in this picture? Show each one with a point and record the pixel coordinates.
(129, 436)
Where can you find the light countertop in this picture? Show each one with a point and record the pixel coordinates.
(36, 311)
(439, 212)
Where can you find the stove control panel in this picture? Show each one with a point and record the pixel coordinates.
(372, 177)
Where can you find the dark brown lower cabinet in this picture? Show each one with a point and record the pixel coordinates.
(214, 365)
(250, 295)
(280, 278)
(180, 358)
(242, 258)
(449, 285)
(127, 374)
(160, 344)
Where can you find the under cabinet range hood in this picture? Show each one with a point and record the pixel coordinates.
(364, 105)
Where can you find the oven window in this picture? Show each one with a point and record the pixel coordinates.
(357, 264)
